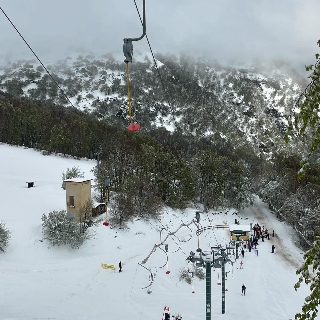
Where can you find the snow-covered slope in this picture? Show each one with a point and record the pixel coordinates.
(37, 282)
(245, 104)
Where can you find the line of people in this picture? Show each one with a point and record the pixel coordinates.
(258, 233)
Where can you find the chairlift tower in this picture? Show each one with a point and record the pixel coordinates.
(209, 261)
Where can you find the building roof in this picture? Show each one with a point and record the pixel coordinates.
(77, 180)
(240, 227)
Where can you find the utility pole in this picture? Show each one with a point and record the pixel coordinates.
(198, 221)
(222, 259)
(107, 184)
(208, 261)
(223, 281)
(208, 291)
(98, 160)
(237, 246)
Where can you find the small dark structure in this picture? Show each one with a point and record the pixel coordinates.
(30, 184)
(99, 209)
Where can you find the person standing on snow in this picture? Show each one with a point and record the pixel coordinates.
(242, 252)
(120, 266)
(272, 248)
(243, 290)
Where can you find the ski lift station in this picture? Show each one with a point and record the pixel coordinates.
(239, 230)
(78, 193)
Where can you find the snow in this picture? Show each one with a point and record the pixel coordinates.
(242, 227)
(30, 86)
(78, 180)
(38, 282)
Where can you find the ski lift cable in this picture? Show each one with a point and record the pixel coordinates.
(153, 57)
(151, 276)
(37, 57)
(56, 83)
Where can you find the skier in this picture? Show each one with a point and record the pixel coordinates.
(272, 248)
(120, 266)
(243, 290)
(273, 233)
(242, 252)
(166, 313)
(241, 265)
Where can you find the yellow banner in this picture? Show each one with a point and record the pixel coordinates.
(107, 266)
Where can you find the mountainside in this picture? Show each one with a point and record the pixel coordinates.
(191, 96)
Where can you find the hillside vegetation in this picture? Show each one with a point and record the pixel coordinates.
(210, 134)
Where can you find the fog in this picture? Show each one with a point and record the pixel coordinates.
(231, 31)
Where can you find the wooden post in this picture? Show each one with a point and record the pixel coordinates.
(107, 201)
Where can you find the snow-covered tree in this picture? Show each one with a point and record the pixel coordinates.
(4, 237)
(60, 229)
(310, 274)
(74, 172)
(306, 113)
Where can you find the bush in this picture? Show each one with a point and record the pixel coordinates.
(185, 276)
(4, 237)
(199, 273)
(60, 229)
(138, 199)
(117, 220)
(74, 172)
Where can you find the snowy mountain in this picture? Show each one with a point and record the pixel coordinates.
(198, 97)
(61, 283)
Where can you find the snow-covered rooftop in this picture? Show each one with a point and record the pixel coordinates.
(77, 180)
(242, 227)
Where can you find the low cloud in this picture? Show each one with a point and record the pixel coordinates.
(227, 30)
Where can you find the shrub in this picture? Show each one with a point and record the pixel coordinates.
(58, 228)
(185, 276)
(199, 273)
(138, 199)
(4, 237)
(74, 172)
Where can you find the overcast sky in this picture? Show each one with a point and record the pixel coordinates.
(227, 30)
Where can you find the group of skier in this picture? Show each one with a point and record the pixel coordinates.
(166, 315)
(258, 233)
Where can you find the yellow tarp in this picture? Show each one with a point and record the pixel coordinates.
(107, 266)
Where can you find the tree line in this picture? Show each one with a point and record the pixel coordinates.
(147, 170)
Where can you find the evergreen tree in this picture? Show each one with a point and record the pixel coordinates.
(4, 237)
(58, 228)
(307, 121)
(310, 274)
